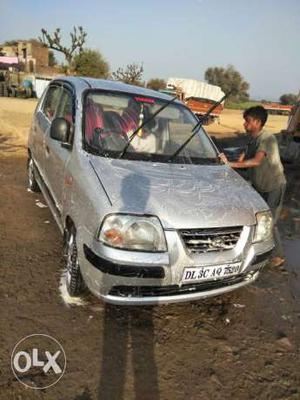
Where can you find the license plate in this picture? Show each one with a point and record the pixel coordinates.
(213, 272)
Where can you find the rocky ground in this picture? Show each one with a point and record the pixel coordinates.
(244, 345)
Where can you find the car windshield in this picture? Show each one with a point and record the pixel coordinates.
(110, 119)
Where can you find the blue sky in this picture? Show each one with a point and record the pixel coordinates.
(180, 38)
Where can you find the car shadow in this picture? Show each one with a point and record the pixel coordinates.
(128, 331)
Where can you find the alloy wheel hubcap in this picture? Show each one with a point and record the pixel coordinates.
(30, 172)
(69, 257)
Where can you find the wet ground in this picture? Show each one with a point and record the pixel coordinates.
(244, 345)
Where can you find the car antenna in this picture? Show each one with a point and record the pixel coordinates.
(198, 125)
(144, 123)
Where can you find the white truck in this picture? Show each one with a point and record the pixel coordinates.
(198, 96)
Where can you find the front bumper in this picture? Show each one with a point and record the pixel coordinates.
(177, 294)
(137, 278)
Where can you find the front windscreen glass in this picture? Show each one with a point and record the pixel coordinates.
(110, 120)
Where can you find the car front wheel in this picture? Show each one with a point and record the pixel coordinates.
(32, 182)
(74, 280)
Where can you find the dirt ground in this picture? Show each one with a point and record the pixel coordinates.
(244, 345)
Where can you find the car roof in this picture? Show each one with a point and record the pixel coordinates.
(82, 83)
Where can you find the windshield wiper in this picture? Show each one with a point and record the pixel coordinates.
(144, 123)
(92, 148)
(96, 150)
(198, 126)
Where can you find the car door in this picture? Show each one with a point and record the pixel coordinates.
(57, 154)
(41, 124)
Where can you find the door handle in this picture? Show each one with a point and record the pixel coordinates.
(47, 149)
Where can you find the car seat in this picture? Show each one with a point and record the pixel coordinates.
(93, 119)
(130, 118)
(114, 122)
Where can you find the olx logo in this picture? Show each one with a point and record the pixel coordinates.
(35, 362)
(38, 361)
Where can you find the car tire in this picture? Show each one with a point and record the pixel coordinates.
(32, 182)
(74, 281)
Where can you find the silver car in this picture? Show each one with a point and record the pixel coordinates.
(147, 215)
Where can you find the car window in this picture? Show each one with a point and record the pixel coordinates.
(51, 101)
(65, 109)
(111, 118)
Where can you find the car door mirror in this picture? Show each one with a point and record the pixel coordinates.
(60, 130)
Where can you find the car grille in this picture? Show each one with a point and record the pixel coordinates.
(172, 290)
(211, 239)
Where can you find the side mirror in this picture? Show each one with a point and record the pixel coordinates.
(60, 130)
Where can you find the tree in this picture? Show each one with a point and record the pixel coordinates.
(156, 84)
(288, 99)
(132, 74)
(90, 63)
(12, 42)
(229, 80)
(53, 41)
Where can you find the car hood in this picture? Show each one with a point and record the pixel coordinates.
(182, 196)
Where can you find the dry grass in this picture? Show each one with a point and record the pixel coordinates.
(231, 123)
(16, 115)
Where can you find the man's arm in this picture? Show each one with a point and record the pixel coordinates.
(241, 157)
(250, 163)
(223, 157)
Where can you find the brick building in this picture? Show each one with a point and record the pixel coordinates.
(31, 54)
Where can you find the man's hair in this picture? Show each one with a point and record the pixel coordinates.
(257, 112)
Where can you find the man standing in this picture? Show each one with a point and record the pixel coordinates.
(265, 168)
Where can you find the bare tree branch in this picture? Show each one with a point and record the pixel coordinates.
(132, 74)
(53, 41)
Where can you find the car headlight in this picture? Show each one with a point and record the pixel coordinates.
(132, 232)
(264, 226)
